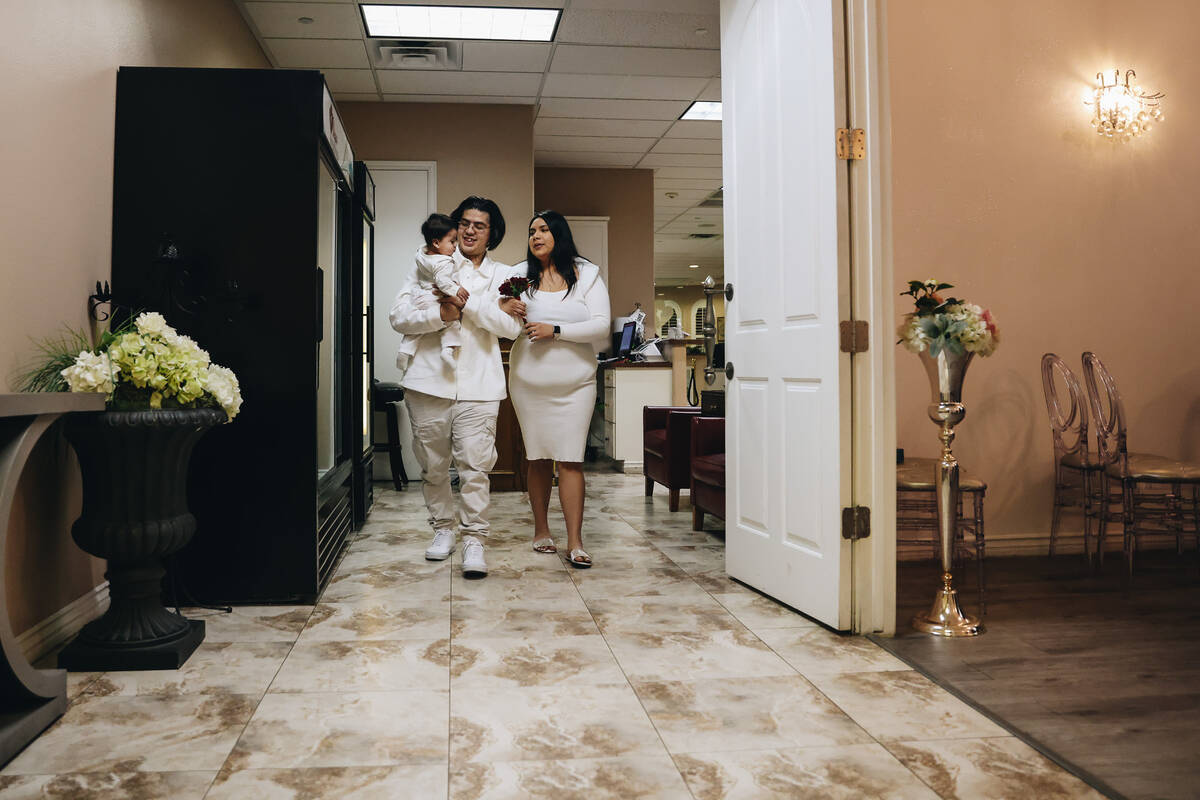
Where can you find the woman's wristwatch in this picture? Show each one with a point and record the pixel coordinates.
(557, 331)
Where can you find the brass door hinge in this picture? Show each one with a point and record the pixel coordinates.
(855, 335)
(851, 144)
(856, 523)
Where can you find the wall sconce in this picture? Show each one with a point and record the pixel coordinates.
(1122, 111)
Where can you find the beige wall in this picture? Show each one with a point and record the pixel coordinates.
(626, 197)
(1002, 188)
(59, 63)
(484, 150)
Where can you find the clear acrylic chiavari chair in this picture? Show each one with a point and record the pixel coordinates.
(1157, 496)
(1075, 470)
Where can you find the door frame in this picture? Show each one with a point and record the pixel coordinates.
(872, 298)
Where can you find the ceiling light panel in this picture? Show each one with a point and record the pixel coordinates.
(703, 110)
(461, 22)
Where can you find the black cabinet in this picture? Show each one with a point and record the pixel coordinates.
(362, 277)
(232, 204)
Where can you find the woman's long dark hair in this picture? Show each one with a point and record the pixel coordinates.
(563, 255)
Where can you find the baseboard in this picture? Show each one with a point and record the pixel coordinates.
(1016, 543)
(61, 626)
(632, 467)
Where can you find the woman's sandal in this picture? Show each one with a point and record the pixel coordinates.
(579, 558)
(544, 545)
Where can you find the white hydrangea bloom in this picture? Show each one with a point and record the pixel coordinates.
(222, 384)
(152, 322)
(91, 372)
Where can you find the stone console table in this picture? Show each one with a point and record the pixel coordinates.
(30, 699)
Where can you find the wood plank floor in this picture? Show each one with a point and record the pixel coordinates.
(1105, 680)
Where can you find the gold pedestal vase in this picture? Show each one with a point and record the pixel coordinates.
(946, 372)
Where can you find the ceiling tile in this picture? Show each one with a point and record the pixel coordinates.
(680, 160)
(640, 27)
(342, 81)
(688, 172)
(473, 83)
(677, 6)
(561, 159)
(591, 60)
(712, 92)
(686, 183)
(329, 20)
(355, 97)
(708, 146)
(318, 53)
(612, 144)
(612, 109)
(459, 98)
(564, 126)
(695, 129)
(684, 198)
(639, 87)
(505, 56)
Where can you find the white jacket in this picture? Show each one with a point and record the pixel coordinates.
(479, 374)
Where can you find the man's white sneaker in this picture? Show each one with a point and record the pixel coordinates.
(472, 555)
(441, 546)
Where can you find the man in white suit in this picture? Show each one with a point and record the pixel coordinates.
(453, 408)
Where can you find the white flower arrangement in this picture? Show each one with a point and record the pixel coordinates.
(151, 365)
(952, 324)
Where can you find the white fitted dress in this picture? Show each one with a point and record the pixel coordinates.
(552, 382)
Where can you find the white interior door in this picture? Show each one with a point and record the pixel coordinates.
(787, 441)
(405, 195)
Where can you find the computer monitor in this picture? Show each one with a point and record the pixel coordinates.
(627, 334)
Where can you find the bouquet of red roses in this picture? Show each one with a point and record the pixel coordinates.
(514, 287)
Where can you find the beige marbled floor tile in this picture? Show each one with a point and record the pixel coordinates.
(372, 666)
(77, 682)
(622, 778)
(759, 613)
(216, 667)
(393, 582)
(817, 651)
(503, 589)
(715, 715)
(904, 706)
(999, 769)
(107, 786)
(522, 618)
(577, 720)
(696, 612)
(185, 733)
(693, 558)
(391, 544)
(252, 623)
(532, 662)
(516, 567)
(368, 619)
(850, 772)
(345, 729)
(695, 655)
(717, 581)
(405, 563)
(336, 783)
(601, 582)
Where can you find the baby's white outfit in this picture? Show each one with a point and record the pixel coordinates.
(434, 271)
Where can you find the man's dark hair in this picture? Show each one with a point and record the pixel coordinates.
(489, 207)
(436, 227)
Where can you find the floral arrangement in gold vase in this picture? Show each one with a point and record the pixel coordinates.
(948, 323)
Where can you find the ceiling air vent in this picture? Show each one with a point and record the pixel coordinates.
(714, 200)
(414, 54)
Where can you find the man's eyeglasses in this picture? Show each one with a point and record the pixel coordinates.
(468, 225)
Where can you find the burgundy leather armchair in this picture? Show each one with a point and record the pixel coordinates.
(708, 469)
(666, 445)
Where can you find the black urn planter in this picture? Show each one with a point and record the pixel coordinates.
(134, 466)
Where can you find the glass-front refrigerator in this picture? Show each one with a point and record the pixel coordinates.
(362, 237)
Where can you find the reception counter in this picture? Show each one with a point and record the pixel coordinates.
(628, 388)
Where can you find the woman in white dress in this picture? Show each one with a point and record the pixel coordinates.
(552, 374)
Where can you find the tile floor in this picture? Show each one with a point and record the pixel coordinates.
(652, 675)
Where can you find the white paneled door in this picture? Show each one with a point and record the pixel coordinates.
(788, 440)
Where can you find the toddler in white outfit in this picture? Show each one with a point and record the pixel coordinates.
(435, 270)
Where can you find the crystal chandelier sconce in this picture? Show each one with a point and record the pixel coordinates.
(1122, 111)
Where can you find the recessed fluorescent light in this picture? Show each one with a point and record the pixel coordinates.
(703, 109)
(693, 266)
(461, 22)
